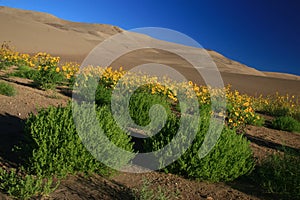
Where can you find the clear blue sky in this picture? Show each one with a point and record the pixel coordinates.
(260, 33)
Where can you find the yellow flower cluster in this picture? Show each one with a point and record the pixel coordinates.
(112, 76)
(40, 61)
(9, 57)
(108, 76)
(273, 104)
(239, 107)
(69, 69)
(44, 61)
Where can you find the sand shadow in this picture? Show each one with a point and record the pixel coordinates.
(94, 187)
(269, 144)
(246, 185)
(66, 91)
(11, 133)
(30, 84)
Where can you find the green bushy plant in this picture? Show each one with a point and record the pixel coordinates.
(230, 158)
(7, 89)
(25, 186)
(54, 146)
(89, 89)
(280, 174)
(25, 72)
(141, 103)
(297, 116)
(286, 123)
(279, 111)
(47, 78)
(258, 122)
(47, 75)
(103, 95)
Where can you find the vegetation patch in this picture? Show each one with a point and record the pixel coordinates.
(24, 72)
(54, 147)
(25, 186)
(230, 158)
(280, 174)
(146, 192)
(7, 89)
(286, 123)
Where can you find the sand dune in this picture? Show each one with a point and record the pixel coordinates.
(33, 32)
(282, 75)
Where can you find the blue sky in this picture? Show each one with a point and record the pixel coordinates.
(259, 33)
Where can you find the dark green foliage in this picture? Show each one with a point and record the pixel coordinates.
(27, 186)
(103, 145)
(279, 112)
(4, 64)
(297, 116)
(286, 123)
(56, 148)
(280, 174)
(141, 103)
(47, 79)
(88, 89)
(230, 158)
(7, 89)
(53, 148)
(103, 95)
(258, 122)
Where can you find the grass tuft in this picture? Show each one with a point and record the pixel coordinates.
(7, 89)
(280, 175)
(286, 123)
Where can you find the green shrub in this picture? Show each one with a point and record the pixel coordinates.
(89, 90)
(26, 186)
(230, 158)
(7, 89)
(103, 95)
(286, 123)
(280, 174)
(25, 72)
(4, 64)
(258, 122)
(278, 112)
(54, 147)
(47, 75)
(47, 79)
(296, 116)
(141, 103)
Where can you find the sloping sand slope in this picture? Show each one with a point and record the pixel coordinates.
(33, 32)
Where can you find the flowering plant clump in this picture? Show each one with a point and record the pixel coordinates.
(277, 105)
(230, 158)
(47, 76)
(9, 57)
(69, 70)
(240, 109)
